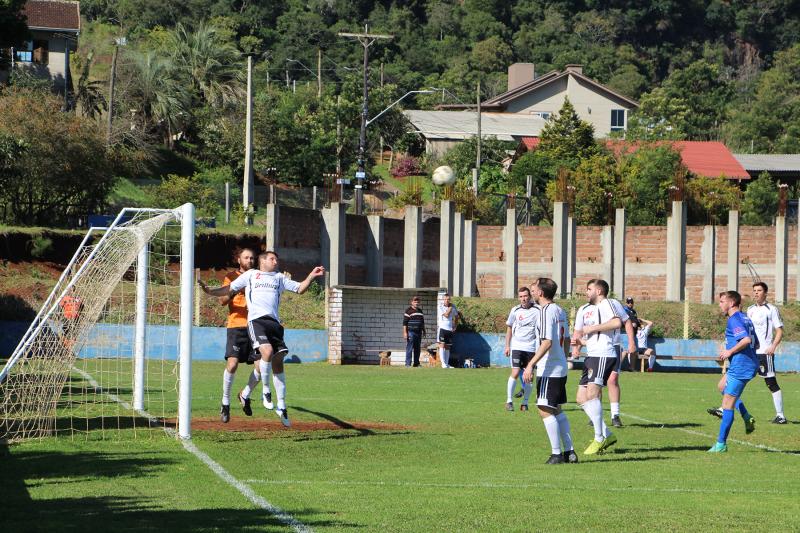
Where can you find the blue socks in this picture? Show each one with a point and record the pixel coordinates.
(742, 409)
(725, 425)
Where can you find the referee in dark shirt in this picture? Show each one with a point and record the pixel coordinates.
(413, 330)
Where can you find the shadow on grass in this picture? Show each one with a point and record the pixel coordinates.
(663, 449)
(342, 424)
(610, 458)
(109, 422)
(44, 471)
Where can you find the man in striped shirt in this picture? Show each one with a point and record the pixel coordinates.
(413, 331)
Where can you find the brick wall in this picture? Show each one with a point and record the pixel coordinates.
(365, 321)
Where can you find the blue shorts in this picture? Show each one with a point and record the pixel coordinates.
(734, 386)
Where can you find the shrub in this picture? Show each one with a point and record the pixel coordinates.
(407, 166)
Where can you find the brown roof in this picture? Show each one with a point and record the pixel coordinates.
(53, 14)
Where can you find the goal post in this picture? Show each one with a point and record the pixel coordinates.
(111, 345)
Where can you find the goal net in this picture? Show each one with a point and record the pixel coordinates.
(109, 352)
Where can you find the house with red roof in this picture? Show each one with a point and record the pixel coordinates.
(54, 28)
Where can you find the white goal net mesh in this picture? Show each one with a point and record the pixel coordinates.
(75, 370)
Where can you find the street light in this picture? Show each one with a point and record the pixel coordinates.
(361, 173)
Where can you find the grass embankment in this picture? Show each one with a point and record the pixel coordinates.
(395, 450)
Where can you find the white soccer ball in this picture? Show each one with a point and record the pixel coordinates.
(444, 175)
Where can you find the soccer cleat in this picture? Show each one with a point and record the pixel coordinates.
(608, 442)
(555, 459)
(245, 405)
(509, 406)
(519, 394)
(616, 422)
(749, 425)
(718, 447)
(594, 448)
(268, 401)
(715, 411)
(778, 420)
(570, 457)
(225, 414)
(283, 414)
(523, 407)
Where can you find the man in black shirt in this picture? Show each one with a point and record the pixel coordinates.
(413, 330)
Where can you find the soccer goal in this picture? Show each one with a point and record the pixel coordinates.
(109, 352)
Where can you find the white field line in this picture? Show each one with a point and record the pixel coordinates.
(706, 435)
(498, 486)
(223, 474)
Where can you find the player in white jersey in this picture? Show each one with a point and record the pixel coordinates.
(263, 288)
(596, 326)
(446, 320)
(613, 380)
(521, 341)
(766, 321)
(551, 374)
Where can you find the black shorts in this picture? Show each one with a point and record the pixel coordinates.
(520, 359)
(240, 346)
(551, 392)
(446, 336)
(265, 330)
(766, 365)
(597, 370)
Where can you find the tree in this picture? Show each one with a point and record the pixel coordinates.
(461, 158)
(760, 204)
(594, 179)
(54, 164)
(13, 30)
(567, 139)
(710, 199)
(646, 174)
(543, 170)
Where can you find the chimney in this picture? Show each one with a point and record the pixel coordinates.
(577, 69)
(520, 74)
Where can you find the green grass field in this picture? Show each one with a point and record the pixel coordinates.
(395, 449)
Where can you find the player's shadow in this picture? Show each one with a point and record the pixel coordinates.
(353, 431)
(663, 449)
(53, 473)
(617, 458)
(667, 426)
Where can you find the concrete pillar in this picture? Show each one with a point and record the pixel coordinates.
(458, 253)
(469, 260)
(412, 248)
(374, 251)
(271, 237)
(781, 259)
(709, 261)
(618, 268)
(510, 254)
(572, 254)
(333, 224)
(733, 251)
(446, 245)
(676, 252)
(607, 244)
(560, 235)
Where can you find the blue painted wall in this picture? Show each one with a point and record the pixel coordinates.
(307, 345)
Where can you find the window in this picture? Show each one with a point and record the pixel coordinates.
(617, 119)
(25, 53)
(543, 114)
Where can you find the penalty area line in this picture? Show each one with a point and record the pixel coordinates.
(215, 467)
(706, 435)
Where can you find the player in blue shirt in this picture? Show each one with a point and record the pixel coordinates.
(741, 344)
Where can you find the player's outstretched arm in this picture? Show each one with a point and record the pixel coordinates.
(614, 323)
(225, 290)
(317, 272)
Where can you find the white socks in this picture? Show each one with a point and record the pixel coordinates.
(227, 382)
(528, 387)
(255, 375)
(594, 410)
(512, 384)
(279, 380)
(551, 426)
(777, 400)
(651, 362)
(614, 409)
(266, 370)
(444, 355)
(564, 430)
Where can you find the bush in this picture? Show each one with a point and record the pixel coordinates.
(407, 166)
(177, 190)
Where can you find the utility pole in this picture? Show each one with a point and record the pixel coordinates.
(477, 174)
(111, 95)
(249, 184)
(366, 39)
(319, 72)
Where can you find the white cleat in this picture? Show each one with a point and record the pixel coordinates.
(267, 396)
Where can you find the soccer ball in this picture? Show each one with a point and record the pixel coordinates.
(444, 175)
